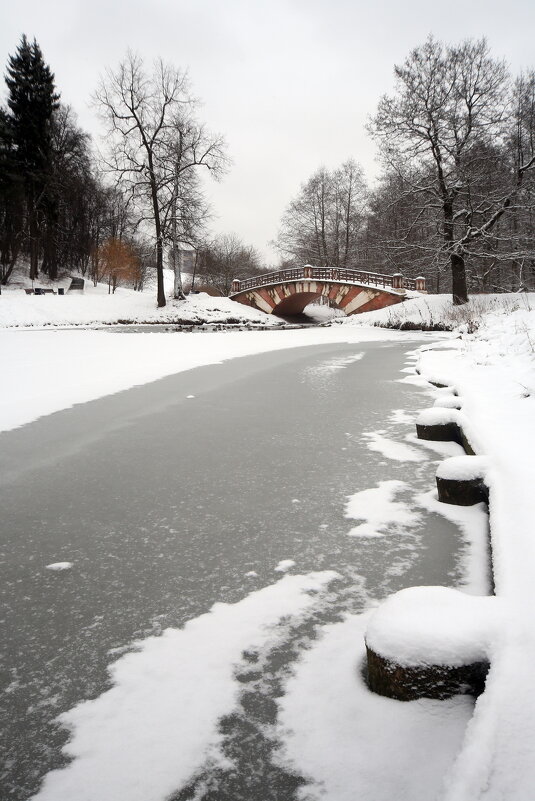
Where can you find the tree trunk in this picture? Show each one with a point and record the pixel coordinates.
(458, 273)
(178, 292)
(160, 290)
(34, 233)
(458, 280)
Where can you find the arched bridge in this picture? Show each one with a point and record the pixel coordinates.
(287, 292)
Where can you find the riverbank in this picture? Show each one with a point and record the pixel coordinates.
(493, 374)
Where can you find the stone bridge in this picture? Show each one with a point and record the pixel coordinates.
(287, 292)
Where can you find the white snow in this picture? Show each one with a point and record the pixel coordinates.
(59, 566)
(448, 402)
(284, 565)
(146, 736)
(493, 371)
(463, 468)
(438, 416)
(379, 511)
(354, 744)
(398, 451)
(434, 626)
(95, 307)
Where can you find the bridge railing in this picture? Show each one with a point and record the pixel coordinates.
(396, 281)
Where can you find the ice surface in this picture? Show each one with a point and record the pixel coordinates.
(101, 363)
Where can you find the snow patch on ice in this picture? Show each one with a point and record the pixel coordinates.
(145, 737)
(379, 511)
(398, 451)
(401, 417)
(285, 565)
(59, 566)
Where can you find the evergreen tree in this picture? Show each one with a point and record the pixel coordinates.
(32, 102)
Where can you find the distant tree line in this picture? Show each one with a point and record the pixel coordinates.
(456, 198)
(117, 218)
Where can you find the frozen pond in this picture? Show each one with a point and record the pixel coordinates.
(131, 514)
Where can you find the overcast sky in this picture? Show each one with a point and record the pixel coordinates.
(290, 83)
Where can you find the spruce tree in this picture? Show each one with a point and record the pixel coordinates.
(32, 101)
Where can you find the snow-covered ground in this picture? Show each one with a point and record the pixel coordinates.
(436, 312)
(94, 306)
(493, 373)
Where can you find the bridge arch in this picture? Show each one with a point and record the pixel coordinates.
(288, 292)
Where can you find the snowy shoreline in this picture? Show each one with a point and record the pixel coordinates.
(492, 373)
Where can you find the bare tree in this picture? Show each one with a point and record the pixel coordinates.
(443, 133)
(145, 115)
(224, 259)
(323, 223)
(187, 212)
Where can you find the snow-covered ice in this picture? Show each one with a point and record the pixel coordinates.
(59, 566)
(379, 511)
(284, 565)
(392, 449)
(146, 736)
(69, 367)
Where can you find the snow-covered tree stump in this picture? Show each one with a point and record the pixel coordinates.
(430, 642)
(442, 425)
(461, 480)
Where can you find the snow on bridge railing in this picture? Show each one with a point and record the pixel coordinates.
(339, 274)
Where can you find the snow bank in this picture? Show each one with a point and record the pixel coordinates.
(95, 307)
(494, 373)
(437, 312)
(144, 738)
(422, 626)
